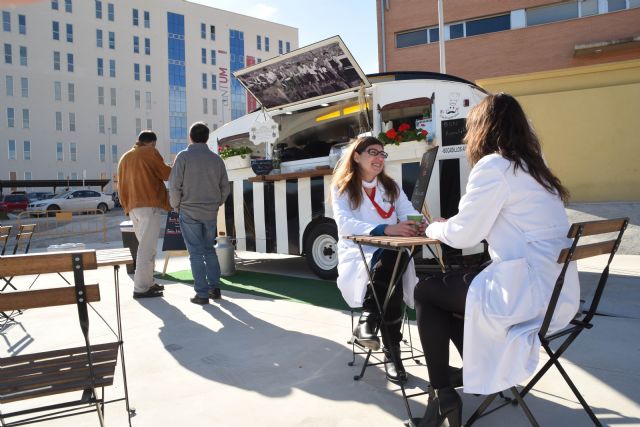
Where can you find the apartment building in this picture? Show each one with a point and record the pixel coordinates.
(491, 38)
(79, 79)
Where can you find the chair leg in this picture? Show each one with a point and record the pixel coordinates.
(573, 388)
(483, 407)
(524, 407)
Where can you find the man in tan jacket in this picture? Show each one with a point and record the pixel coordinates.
(143, 196)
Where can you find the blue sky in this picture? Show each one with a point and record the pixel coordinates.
(353, 20)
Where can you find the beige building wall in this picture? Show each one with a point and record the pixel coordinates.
(588, 119)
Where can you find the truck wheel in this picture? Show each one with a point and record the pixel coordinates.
(321, 250)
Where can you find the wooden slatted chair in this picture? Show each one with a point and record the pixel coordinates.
(84, 368)
(582, 321)
(5, 231)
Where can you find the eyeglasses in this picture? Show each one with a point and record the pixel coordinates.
(375, 153)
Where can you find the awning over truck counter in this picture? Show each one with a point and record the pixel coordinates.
(404, 108)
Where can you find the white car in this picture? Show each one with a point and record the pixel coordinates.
(74, 201)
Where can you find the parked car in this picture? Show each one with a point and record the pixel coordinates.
(75, 201)
(14, 202)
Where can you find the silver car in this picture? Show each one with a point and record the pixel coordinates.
(74, 201)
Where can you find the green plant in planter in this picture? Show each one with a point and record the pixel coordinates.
(227, 151)
(404, 133)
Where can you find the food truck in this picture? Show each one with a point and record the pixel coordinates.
(313, 102)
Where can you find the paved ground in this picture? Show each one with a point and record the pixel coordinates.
(262, 362)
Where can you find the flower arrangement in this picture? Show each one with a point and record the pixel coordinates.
(404, 133)
(227, 151)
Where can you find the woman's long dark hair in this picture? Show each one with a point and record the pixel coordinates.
(498, 125)
(347, 176)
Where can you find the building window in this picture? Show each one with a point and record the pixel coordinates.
(11, 154)
(98, 38)
(22, 24)
(72, 122)
(614, 5)
(100, 66)
(69, 33)
(114, 153)
(98, 4)
(70, 62)
(54, 4)
(136, 99)
(147, 46)
(147, 19)
(71, 92)
(59, 151)
(6, 21)
(74, 175)
(280, 47)
(589, 7)
(101, 123)
(27, 176)
(214, 82)
(412, 38)
(73, 151)
(55, 30)
(112, 68)
(288, 47)
(136, 71)
(114, 125)
(553, 13)
(102, 153)
(203, 55)
(147, 73)
(59, 121)
(135, 17)
(259, 42)
(149, 124)
(205, 106)
(147, 99)
(56, 61)
(9, 85)
(23, 56)
(203, 30)
(212, 29)
(113, 94)
(266, 44)
(213, 57)
(25, 118)
(488, 25)
(60, 175)
(8, 54)
(456, 31)
(57, 91)
(100, 95)
(26, 150)
(68, 6)
(138, 125)
(214, 107)
(112, 40)
(24, 87)
(204, 80)
(136, 44)
(111, 13)
(11, 117)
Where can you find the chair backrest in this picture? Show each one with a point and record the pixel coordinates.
(43, 263)
(576, 252)
(5, 230)
(23, 238)
(419, 192)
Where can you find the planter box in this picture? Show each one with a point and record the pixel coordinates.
(406, 150)
(303, 165)
(237, 162)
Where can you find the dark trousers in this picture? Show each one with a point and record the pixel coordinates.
(382, 269)
(437, 299)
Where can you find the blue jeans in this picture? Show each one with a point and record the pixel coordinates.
(200, 237)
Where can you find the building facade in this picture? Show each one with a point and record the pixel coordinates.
(492, 38)
(79, 79)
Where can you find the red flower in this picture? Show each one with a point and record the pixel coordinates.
(403, 127)
(392, 134)
(424, 132)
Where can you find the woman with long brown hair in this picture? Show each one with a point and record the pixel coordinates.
(365, 200)
(515, 202)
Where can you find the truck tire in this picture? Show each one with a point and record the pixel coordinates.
(321, 250)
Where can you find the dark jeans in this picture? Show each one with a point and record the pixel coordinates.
(437, 299)
(382, 270)
(200, 238)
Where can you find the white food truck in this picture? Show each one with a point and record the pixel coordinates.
(301, 127)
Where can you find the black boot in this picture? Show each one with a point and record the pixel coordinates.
(364, 333)
(393, 366)
(446, 404)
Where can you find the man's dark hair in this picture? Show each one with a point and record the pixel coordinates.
(199, 132)
(147, 136)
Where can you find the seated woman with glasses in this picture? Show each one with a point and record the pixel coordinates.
(366, 201)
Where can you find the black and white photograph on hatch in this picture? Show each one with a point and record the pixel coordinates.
(317, 70)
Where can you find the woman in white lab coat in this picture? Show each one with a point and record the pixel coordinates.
(514, 202)
(366, 201)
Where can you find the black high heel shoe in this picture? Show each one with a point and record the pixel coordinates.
(446, 405)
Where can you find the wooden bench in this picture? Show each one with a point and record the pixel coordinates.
(84, 368)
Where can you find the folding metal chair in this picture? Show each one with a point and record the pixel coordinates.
(23, 238)
(581, 322)
(5, 230)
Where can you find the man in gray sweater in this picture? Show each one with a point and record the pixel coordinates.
(198, 186)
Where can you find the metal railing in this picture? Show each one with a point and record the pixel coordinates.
(59, 223)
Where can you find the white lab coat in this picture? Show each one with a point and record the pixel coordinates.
(526, 227)
(352, 274)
